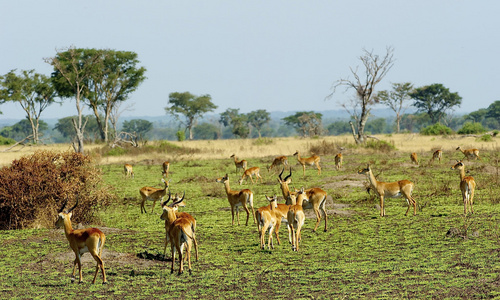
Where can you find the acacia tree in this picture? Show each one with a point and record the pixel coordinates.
(191, 106)
(232, 117)
(375, 69)
(307, 123)
(33, 91)
(258, 118)
(397, 99)
(435, 100)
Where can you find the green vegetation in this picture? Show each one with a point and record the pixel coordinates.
(471, 128)
(436, 129)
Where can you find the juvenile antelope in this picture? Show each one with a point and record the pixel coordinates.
(296, 218)
(338, 161)
(236, 199)
(153, 194)
(278, 161)
(467, 186)
(82, 240)
(127, 169)
(414, 158)
(437, 154)
(280, 211)
(309, 161)
(240, 164)
(267, 219)
(470, 153)
(391, 189)
(165, 167)
(249, 172)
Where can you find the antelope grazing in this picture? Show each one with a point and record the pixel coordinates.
(313, 160)
(437, 154)
(470, 153)
(238, 198)
(338, 161)
(127, 169)
(296, 218)
(82, 240)
(278, 161)
(165, 167)
(414, 158)
(391, 189)
(280, 211)
(467, 186)
(267, 219)
(153, 194)
(180, 233)
(176, 203)
(242, 164)
(249, 172)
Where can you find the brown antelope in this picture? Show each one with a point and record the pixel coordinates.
(437, 154)
(391, 189)
(296, 218)
(313, 160)
(414, 158)
(240, 164)
(153, 194)
(249, 172)
(278, 161)
(470, 153)
(316, 199)
(180, 232)
(281, 211)
(467, 186)
(166, 167)
(338, 161)
(82, 240)
(176, 203)
(267, 219)
(129, 172)
(236, 199)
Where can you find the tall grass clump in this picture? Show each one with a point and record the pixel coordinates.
(380, 145)
(436, 129)
(472, 128)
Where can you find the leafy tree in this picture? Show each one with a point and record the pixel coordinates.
(258, 118)
(141, 127)
(376, 126)
(435, 100)
(307, 123)
(206, 131)
(375, 69)
(67, 130)
(436, 129)
(338, 127)
(397, 99)
(494, 110)
(191, 106)
(477, 116)
(472, 128)
(22, 129)
(33, 91)
(238, 122)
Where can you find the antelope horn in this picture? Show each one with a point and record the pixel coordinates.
(281, 173)
(63, 206)
(71, 209)
(180, 200)
(166, 201)
(289, 174)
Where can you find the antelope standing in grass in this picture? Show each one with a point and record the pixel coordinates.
(278, 161)
(309, 161)
(240, 164)
(338, 161)
(249, 172)
(128, 170)
(166, 168)
(467, 186)
(267, 219)
(470, 153)
(153, 194)
(236, 199)
(436, 155)
(414, 158)
(280, 211)
(296, 218)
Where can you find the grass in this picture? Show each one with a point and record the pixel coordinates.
(361, 255)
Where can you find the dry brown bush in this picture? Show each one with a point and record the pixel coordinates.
(34, 187)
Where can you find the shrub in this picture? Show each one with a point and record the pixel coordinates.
(263, 141)
(436, 129)
(380, 145)
(472, 128)
(181, 135)
(33, 188)
(6, 141)
(485, 138)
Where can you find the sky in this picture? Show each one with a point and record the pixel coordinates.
(272, 55)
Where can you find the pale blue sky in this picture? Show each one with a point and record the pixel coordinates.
(273, 55)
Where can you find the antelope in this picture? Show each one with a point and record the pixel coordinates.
(129, 172)
(391, 189)
(414, 158)
(82, 240)
(267, 219)
(338, 161)
(470, 153)
(153, 194)
(313, 160)
(180, 234)
(467, 186)
(280, 211)
(316, 199)
(166, 167)
(437, 154)
(249, 172)
(176, 203)
(242, 164)
(278, 161)
(237, 199)
(296, 218)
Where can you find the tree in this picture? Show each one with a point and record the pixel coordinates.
(494, 110)
(435, 100)
(477, 116)
(72, 71)
(141, 127)
(397, 99)
(307, 123)
(375, 69)
(258, 118)
(67, 130)
(238, 122)
(191, 106)
(206, 131)
(22, 129)
(33, 91)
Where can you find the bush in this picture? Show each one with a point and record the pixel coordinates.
(380, 145)
(181, 135)
(485, 138)
(436, 129)
(6, 141)
(472, 128)
(33, 188)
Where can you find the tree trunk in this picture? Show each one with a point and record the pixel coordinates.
(354, 132)
(398, 120)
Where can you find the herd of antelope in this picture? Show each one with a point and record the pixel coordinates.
(180, 227)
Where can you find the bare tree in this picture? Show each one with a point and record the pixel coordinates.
(375, 69)
(398, 99)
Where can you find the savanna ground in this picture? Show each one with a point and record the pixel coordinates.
(360, 256)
